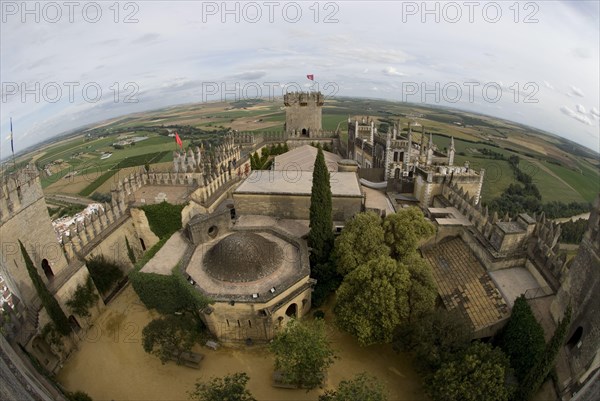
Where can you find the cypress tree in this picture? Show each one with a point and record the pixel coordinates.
(48, 301)
(320, 237)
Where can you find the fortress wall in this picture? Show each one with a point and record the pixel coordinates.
(293, 206)
(33, 227)
(113, 246)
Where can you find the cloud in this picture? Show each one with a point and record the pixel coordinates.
(595, 113)
(250, 75)
(582, 52)
(582, 118)
(576, 91)
(548, 85)
(149, 37)
(392, 72)
(580, 108)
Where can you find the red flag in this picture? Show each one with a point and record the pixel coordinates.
(178, 140)
(311, 77)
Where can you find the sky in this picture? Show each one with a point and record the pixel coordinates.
(68, 64)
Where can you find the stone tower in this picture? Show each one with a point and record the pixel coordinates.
(580, 289)
(24, 216)
(303, 114)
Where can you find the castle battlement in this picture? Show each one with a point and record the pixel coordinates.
(19, 190)
(303, 98)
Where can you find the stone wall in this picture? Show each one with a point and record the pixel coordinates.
(293, 206)
(580, 288)
(234, 324)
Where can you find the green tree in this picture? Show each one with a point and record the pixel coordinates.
(373, 300)
(302, 353)
(404, 229)
(104, 272)
(83, 298)
(320, 237)
(229, 388)
(361, 388)
(479, 374)
(167, 337)
(361, 240)
(48, 301)
(434, 338)
(422, 292)
(522, 339)
(539, 372)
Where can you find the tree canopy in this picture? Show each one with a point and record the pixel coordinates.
(422, 291)
(373, 300)
(404, 229)
(361, 240)
(479, 374)
(302, 353)
(361, 388)
(167, 337)
(229, 388)
(434, 338)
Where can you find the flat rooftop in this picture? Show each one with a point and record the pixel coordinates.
(464, 284)
(303, 158)
(510, 227)
(286, 182)
(448, 216)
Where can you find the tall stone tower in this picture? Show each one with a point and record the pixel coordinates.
(580, 289)
(24, 217)
(303, 114)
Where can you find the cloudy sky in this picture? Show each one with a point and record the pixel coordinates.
(63, 66)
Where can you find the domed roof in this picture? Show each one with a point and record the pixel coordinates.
(241, 257)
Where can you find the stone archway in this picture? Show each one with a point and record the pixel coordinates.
(292, 310)
(304, 132)
(575, 338)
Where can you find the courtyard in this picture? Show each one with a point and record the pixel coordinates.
(110, 363)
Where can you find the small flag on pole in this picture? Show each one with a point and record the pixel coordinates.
(178, 140)
(311, 77)
(12, 146)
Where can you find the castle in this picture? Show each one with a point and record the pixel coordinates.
(481, 261)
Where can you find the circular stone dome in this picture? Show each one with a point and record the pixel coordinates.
(242, 257)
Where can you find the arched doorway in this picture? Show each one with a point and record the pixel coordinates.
(292, 310)
(304, 132)
(575, 338)
(397, 173)
(47, 269)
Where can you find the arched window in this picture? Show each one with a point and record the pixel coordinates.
(47, 269)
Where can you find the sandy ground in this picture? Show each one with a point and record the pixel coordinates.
(112, 365)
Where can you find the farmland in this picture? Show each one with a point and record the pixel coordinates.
(562, 170)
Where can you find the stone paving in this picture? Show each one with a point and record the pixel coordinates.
(464, 284)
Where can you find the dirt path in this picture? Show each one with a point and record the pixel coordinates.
(111, 364)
